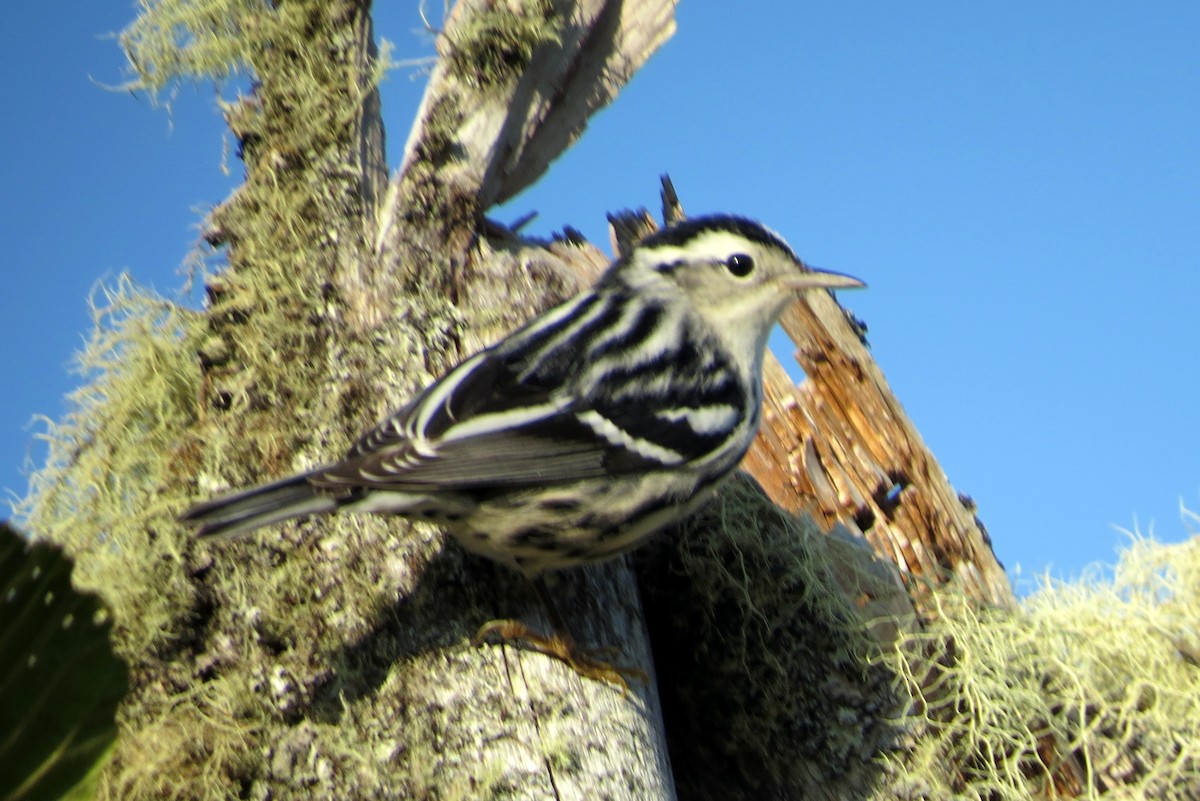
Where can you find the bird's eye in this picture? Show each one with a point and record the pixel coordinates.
(740, 264)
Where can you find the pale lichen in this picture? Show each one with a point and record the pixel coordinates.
(1088, 690)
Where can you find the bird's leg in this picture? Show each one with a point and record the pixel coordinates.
(589, 663)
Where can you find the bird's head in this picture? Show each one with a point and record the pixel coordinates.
(734, 274)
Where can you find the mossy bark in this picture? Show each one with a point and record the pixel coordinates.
(330, 658)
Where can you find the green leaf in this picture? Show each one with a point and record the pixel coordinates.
(60, 682)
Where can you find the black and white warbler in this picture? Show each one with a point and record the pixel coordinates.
(599, 422)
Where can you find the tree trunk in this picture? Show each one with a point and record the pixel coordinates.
(361, 648)
(330, 658)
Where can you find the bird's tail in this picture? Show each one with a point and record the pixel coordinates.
(241, 512)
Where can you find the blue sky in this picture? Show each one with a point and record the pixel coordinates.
(1019, 183)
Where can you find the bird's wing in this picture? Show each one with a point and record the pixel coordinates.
(481, 385)
(536, 365)
(481, 426)
(553, 449)
(519, 416)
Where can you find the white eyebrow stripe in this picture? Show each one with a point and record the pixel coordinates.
(715, 245)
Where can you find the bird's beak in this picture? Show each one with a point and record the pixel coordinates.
(823, 279)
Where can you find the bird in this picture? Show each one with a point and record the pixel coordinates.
(579, 435)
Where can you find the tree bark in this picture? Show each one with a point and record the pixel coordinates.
(331, 658)
(855, 458)
(386, 691)
(479, 137)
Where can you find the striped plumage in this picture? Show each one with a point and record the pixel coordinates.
(597, 423)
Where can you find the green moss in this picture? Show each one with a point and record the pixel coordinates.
(496, 45)
(202, 743)
(1085, 691)
(101, 492)
(174, 39)
(767, 669)
(227, 647)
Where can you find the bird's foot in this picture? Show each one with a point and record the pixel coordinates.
(591, 663)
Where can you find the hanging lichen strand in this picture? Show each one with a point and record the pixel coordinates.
(178, 402)
(285, 231)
